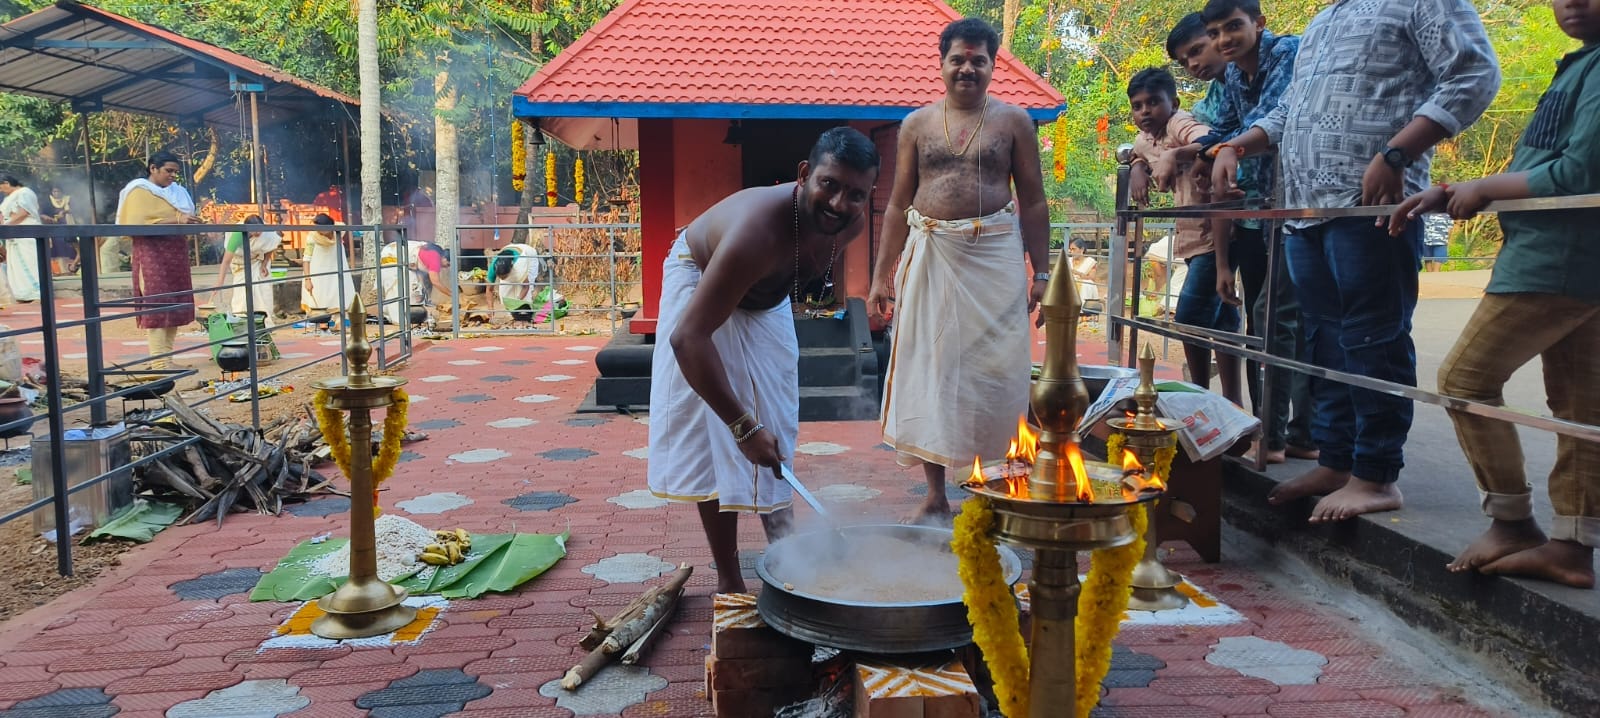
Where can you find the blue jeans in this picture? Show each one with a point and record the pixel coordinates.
(1358, 289)
(1198, 302)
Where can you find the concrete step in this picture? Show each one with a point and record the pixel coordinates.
(838, 403)
(830, 366)
(1538, 634)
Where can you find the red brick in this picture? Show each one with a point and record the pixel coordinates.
(1186, 686)
(331, 709)
(1138, 697)
(248, 655)
(1234, 705)
(544, 711)
(516, 664)
(143, 660)
(464, 644)
(175, 682)
(353, 674)
(274, 669)
(1343, 709)
(429, 661)
(96, 679)
(1315, 693)
(1407, 697)
(56, 642)
(731, 674)
(23, 690)
(136, 702)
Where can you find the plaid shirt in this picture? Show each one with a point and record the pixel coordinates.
(1246, 101)
(1365, 69)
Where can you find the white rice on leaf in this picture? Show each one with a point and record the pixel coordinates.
(399, 541)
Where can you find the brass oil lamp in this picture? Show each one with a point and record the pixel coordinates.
(365, 605)
(1064, 506)
(1155, 587)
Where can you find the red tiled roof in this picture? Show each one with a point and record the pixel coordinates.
(764, 58)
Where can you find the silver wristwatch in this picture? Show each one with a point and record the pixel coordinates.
(1041, 277)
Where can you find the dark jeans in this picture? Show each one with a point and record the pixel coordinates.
(1358, 289)
(1290, 389)
(1198, 303)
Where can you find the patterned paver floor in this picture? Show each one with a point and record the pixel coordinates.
(172, 632)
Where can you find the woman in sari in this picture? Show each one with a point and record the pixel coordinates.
(161, 279)
(257, 249)
(21, 206)
(326, 252)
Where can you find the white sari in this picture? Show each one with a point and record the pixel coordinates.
(260, 250)
(22, 254)
(325, 253)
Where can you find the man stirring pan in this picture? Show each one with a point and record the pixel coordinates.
(725, 381)
(958, 367)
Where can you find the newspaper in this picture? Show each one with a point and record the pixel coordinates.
(1207, 423)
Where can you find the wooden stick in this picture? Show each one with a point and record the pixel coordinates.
(603, 628)
(632, 655)
(586, 668)
(666, 600)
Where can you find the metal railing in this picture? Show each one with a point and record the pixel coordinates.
(140, 379)
(1123, 332)
(595, 267)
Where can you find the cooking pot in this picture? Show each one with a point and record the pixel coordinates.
(796, 609)
(13, 408)
(234, 356)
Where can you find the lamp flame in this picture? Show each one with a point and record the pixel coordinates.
(1027, 442)
(1080, 475)
(976, 478)
(1135, 475)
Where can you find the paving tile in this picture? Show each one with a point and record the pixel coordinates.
(216, 585)
(431, 693)
(172, 682)
(567, 454)
(25, 690)
(609, 692)
(539, 501)
(1344, 709)
(1275, 661)
(250, 699)
(66, 703)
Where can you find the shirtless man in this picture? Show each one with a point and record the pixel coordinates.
(952, 261)
(726, 354)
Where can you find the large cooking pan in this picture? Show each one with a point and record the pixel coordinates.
(886, 625)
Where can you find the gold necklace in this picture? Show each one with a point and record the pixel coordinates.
(982, 114)
(833, 248)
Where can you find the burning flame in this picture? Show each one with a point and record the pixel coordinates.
(1137, 476)
(1080, 475)
(976, 479)
(1027, 442)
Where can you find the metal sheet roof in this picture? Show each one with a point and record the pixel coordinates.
(98, 60)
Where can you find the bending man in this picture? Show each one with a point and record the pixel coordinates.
(725, 383)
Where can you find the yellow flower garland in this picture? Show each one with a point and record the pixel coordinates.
(550, 179)
(1060, 149)
(577, 180)
(1100, 608)
(519, 158)
(991, 607)
(331, 422)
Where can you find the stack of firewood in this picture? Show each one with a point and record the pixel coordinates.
(232, 468)
(630, 632)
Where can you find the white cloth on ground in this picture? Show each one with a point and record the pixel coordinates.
(959, 362)
(693, 456)
(22, 254)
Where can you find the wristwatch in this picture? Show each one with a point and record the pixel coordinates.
(1397, 158)
(1041, 277)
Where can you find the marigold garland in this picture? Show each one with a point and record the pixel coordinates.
(519, 158)
(331, 422)
(550, 179)
(991, 607)
(1100, 608)
(1164, 456)
(577, 180)
(1060, 147)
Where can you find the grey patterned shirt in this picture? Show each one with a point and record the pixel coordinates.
(1365, 69)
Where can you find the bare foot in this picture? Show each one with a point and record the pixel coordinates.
(730, 584)
(935, 511)
(1565, 562)
(1321, 480)
(1309, 453)
(1358, 497)
(1502, 539)
(1273, 457)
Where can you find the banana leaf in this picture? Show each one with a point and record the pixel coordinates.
(139, 522)
(497, 562)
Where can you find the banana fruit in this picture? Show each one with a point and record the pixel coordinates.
(450, 548)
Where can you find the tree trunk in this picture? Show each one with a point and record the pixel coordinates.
(446, 162)
(1008, 22)
(371, 129)
(206, 165)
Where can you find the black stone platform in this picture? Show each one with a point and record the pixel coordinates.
(838, 369)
